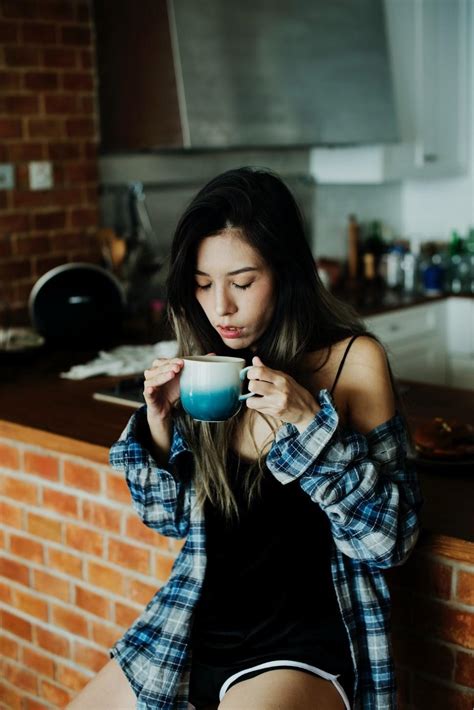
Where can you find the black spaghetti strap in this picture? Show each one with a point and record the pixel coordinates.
(341, 364)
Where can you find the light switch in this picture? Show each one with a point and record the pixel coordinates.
(41, 175)
(7, 176)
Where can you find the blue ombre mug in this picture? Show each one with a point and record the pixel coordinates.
(211, 387)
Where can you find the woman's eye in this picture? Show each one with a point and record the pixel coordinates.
(203, 287)
(242, 287)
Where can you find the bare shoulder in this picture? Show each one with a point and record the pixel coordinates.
(364, 394)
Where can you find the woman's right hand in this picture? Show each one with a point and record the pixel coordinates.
(161, 387)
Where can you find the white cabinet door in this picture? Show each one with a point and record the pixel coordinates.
(415, 341)
(428, 42)
(460, 342)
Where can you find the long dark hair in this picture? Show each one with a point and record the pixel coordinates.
(306, 316)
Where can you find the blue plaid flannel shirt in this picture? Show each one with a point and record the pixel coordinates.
(370, 494)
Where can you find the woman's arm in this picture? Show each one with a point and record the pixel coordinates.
(161, 499)
(359, 475)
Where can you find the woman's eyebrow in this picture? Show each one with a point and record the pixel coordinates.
(230, 273)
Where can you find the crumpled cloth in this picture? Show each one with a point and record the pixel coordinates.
(123, 360)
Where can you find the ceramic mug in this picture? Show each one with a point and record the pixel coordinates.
(211, 387)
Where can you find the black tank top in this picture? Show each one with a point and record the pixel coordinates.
(268, 593)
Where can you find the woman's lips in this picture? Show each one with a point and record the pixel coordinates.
(229, 333)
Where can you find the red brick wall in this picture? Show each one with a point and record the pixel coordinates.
(76, 568)
(47, 112)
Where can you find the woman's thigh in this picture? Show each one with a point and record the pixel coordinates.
(109, 690)
(283, 689)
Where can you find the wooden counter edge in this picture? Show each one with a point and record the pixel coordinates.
(54, 442)
(454, 548)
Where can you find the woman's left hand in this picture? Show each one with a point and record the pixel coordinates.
(280, 396)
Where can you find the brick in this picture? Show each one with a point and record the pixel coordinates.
(8, 32)
(16, 222)
(92, 602)
(465, 587)
(420, 654)
(60, 58)
(43, 527)
(6, 595)
(22, 56)
(117, 489)
(45, 128)
(81, 173)
(14, 570)
(445, 622)
(76, 35)
(9, 457)
(15, 269)
(125, 615)
(30, 604)
(72, 679)
(163, 566)
(10, 514)
(9, 648)
(52, 642)
(26, 245)
(11, 699)
(78, 81)
(80, 128)
(9, 81)
(54, 693)
(73, 621)
(10, 128)
(90, 657)
(25, 151)
(39, 662)
(20, 104)
(464, 673)
(16, 625)
(20, 677)
(106, 578)
(432, 695)
(41, 80)
(19, 490)
(26, 548)
(106, 635)
(60, 502)
(61, 103)
(140, 592)
(84, 217)
(39, 33)
(39, 464)
(65, 562)
(129, 556)
(84, 477)
(51, 584)
(64, 151)
(101, 516)
(85, 540)
(50, 220)
(30, 704)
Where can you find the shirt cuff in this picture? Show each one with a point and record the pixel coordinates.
(293, 452)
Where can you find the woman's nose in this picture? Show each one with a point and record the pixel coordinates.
(224, 303)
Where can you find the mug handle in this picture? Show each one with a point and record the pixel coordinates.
(243, 372)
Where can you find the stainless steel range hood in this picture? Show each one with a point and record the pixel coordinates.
(282, 72)
(207, 74)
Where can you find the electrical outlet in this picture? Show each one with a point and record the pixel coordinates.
(7, 176)
(41, 175)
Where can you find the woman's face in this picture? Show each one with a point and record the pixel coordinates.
(235, 288)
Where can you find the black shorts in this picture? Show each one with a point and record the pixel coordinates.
(208, 684)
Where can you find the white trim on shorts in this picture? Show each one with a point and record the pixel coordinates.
(292, 664)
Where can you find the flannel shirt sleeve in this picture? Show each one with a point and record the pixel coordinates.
(365, 484)
(161, 499)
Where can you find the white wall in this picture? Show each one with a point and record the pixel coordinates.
(433, 208)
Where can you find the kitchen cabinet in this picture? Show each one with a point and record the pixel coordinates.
(460, 342)
(429, 49)
(415, 341)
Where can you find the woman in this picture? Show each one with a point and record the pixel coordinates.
(292, 509)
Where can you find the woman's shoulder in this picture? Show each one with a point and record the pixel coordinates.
(364, 393)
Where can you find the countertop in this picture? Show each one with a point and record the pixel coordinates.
(39, 407)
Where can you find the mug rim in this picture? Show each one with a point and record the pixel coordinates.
(213, 359)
